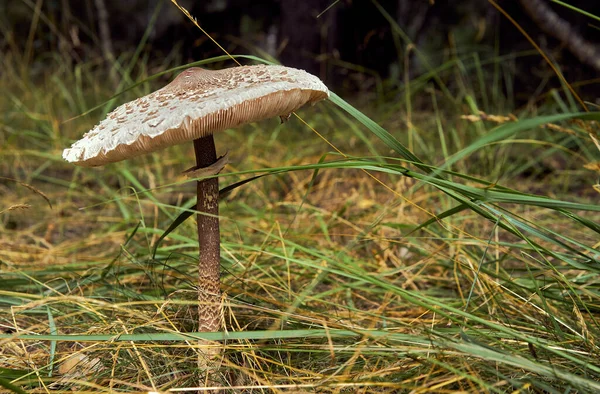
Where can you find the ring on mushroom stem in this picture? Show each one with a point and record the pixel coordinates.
(195, 105)
(213, 169)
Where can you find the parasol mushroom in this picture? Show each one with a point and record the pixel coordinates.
(192, 107)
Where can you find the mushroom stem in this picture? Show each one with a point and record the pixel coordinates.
(209, 292)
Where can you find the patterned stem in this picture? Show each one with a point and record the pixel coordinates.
(209, 292)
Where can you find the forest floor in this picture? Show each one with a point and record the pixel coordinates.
(348, 268)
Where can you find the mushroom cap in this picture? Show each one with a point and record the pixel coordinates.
(197, 103)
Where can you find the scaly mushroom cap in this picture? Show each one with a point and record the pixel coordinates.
(196, 104)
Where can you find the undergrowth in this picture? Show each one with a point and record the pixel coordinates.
(426, 247)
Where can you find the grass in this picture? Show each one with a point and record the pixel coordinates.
(426, 252)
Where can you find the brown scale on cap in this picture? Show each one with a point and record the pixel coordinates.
(197, 103)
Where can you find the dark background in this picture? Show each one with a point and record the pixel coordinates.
(349, 45)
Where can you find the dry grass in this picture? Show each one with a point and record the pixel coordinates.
(328, 288)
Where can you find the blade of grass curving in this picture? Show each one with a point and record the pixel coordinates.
(191, 210)
(359, 133)
(9, 386)
(569, 6)
(379, 131)
(502, 196)
(509, 129)
(551, 237)
(484, 211)
(438, 217)
(491, 194)
(528, 199)
(581, 220)
(511, 225)
(543, 369)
